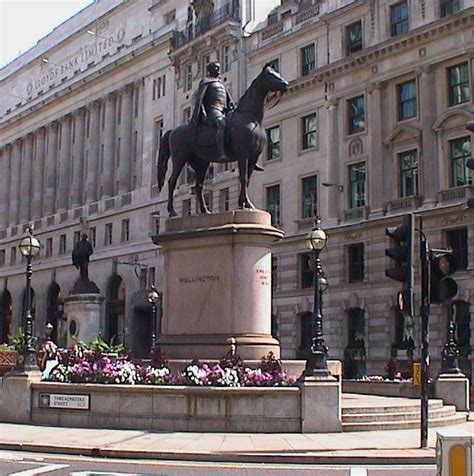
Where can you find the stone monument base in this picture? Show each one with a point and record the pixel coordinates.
(217, 285)
(454, 390)
(83, 316)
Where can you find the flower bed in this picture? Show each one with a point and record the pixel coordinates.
(82, 365)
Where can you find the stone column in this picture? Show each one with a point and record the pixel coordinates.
(78, 154)
(51, 168)
(64, 158)
(15, 174)
(5, 183)
(38, 182)
(375, 166)
(93, 169)
(333, 193)
(126, 141)
(428, 158)
(109, 145)
(26, 185)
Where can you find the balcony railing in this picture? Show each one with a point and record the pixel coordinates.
(306, 14)
(413, 201)
(229, 11)
(456, 193)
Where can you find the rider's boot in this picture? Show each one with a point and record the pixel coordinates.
(221, 157)
(258, 168)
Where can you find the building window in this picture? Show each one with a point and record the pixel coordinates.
(275, 64)
(273, 203)
(125, 235)
(226, 59)
(93, 236)
(190, 174)
(406, 100)
(157, 135)
(457, 241)
(119, 110)
(186, 114)
(399, 18)
(356, 328)
(462, 319)
(136, 97)
(224, 200)
(448, 7)
(459, 152)
(151, 276)
(12, 256)
(357, 177)
(274, 273)
(2, 258)
(308, 59)
(408, 173)
(188, 77)
(155, 223)
(62, 244)
(353, 37)
(309, 131)
(108, 236)
(356, 114)
(186, 210)
(309, 200)
(273, 143)
(458, 81)
(170, 17)
(356, 262)
(306, 272)
(49, 248)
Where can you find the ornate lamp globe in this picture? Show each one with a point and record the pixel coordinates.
(29, 245)
(153, 296)
(323, 284)
(316, 239)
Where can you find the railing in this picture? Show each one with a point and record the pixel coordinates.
(353, 213)
(229, 11)
(405, 202)
(456, 193)
(272, 30)
(306, 14)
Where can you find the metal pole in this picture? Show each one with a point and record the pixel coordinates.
(153, 325)
(450, 352)
(425, 314)
(29, 350)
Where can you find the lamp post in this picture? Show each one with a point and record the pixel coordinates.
(450, 352)
(316, 364)
(153, 297)
(29, 248)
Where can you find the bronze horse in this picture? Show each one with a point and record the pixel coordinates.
(246, 141)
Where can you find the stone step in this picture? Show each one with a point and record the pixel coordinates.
(455, 419)
(436, 413)
(405, 407)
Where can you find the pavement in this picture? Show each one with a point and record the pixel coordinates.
(367, 447)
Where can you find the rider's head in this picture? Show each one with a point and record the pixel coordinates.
(213, 69)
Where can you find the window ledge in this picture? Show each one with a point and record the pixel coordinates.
(404, 202)
(456, 193)
(355, 213)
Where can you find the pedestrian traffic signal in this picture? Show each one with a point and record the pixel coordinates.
(403, 254)
(442, 286)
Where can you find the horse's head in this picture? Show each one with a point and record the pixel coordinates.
(272, 81)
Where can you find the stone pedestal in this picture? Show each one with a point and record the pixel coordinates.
(15, 396)
(321, 409)
(454, 390)
(83, 316)
(217, 285)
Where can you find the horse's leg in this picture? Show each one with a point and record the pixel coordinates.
(243, 197)
(201, 169)
(177, 167)
(250, 168)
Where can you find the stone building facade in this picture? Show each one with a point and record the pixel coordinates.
(373, 127)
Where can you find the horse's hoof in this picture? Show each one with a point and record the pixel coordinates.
(172, 214)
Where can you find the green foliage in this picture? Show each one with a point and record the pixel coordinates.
(19, 342)
(100, 345)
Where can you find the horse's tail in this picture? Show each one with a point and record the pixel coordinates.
(163, 158)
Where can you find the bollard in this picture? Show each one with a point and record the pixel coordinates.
(454, 453)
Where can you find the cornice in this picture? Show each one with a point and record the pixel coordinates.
(376, 53)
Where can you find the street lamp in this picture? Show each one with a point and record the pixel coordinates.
(316, 365)
(153, 297)
(29, 248)
(450, 352)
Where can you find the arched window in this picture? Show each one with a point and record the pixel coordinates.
(306, 323)
(404, 332)
(5, 315)
(54, 309)
(115, 310)
(462, 319)
(356, 328)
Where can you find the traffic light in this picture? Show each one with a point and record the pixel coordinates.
(403, 254)
(442, 286)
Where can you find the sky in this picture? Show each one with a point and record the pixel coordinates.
(24, 22)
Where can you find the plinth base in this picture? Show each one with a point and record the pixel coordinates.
(214, 347)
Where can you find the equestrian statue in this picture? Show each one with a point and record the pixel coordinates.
(218, 133)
